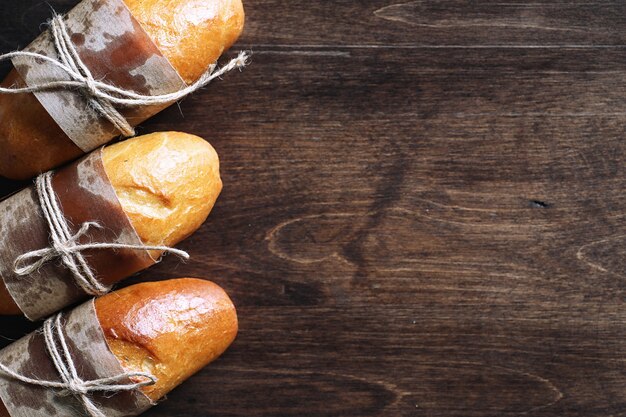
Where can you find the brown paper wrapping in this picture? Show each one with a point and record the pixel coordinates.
(93, 359)
(85, 195)
(117, 51)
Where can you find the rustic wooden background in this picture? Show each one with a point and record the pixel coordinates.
(424, 211)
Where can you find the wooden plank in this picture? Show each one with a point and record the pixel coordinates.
(388, 24)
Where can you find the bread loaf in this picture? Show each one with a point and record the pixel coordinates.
(191, 34)
(170, 329)
(167, 184)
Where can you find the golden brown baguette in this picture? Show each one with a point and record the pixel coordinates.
(191, 34)
(167, 184)
(170, 329)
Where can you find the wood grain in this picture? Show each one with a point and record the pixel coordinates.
(423, 211)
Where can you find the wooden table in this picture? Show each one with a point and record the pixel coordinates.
(423, 214)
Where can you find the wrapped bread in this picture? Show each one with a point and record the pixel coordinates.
(187, 36)
(160, 188)
(167, 330)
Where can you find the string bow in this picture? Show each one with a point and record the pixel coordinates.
(71, 383)
(105, 97)
(65, 245)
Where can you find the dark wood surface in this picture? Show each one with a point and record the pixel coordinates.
(423, 214)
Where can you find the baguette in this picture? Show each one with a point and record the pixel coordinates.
(170, 329)
(167, 184)
(191, 34)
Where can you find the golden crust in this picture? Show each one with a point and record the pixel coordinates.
(171, 329)
(192, 34)
(167, 184)
(215, 24)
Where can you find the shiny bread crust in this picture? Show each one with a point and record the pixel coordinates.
(171, 329)
(191, 34)
(167, 184)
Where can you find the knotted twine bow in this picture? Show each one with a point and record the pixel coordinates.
(64, 245)
(104, 97)
(72, 384)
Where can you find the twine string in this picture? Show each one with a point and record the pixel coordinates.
(71, 383)
(65, 245)
(104, 97)
(69, 56)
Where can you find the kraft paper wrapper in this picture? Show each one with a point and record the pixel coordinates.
(85, 195)
(93, 359)
(117, 51)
